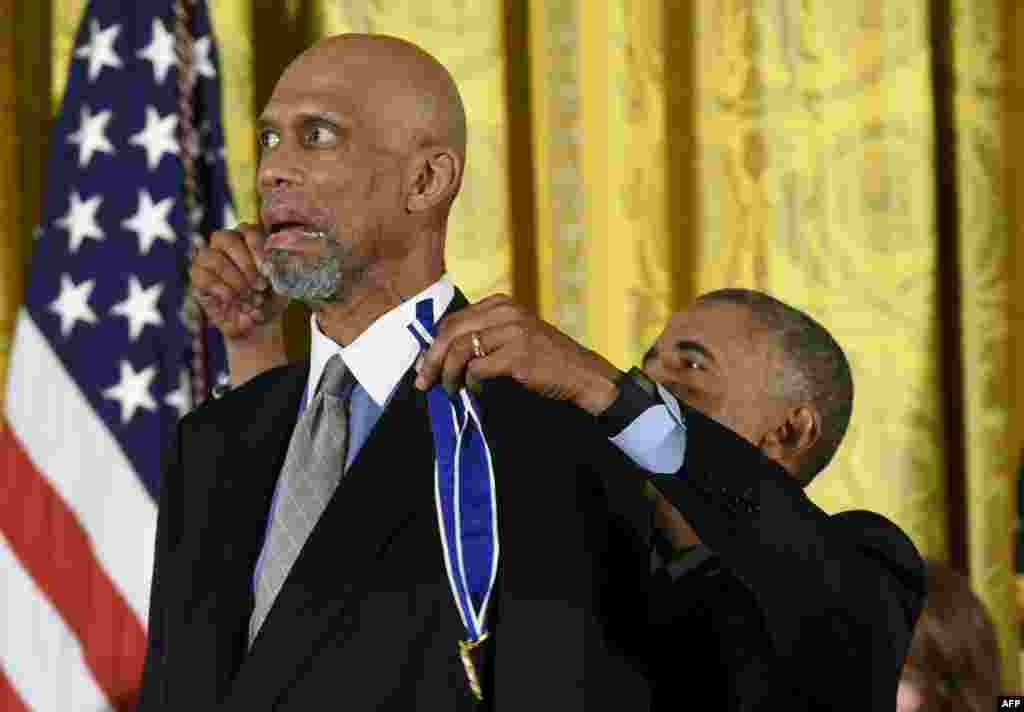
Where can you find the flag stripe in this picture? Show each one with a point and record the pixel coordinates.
(9, 699)
(45, 536)
(63, 438)
(41, 657)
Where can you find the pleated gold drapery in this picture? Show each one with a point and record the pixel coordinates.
(855, 159)
(977, 102)
(816, 135)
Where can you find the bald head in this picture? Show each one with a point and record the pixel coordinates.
(404, 92)
(363, 144)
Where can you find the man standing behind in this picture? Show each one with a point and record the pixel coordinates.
(761, 601)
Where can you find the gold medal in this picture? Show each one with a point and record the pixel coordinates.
(466, 650)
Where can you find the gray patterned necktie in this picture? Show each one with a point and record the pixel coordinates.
(312, 469)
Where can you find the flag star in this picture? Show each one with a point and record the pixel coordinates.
(100, 50)
(80, 220)
(181, 397)
(140, 307)
(150, 221)
(132, 392)
(158, 137)
(201, 62)
(90, 136)
(73, 304)
(230, 219)
(159, 51)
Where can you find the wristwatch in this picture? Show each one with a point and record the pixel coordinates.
(637, 393)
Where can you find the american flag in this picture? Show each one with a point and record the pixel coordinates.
(99, 370)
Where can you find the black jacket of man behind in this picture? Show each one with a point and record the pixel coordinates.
(786, 608)
(366, 621)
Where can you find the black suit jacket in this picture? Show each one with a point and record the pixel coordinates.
(796, 609)
(365, 620)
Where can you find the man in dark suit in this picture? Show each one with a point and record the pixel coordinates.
(760, 600)
(362, 149)
(800, 610)
(365, 617)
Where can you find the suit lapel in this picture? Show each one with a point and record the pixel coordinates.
(227, 522)
(366, 511)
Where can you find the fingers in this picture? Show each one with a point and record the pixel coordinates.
(453, 369)
(461, 366)
(495, 311)
(243, 246)
(226, 282)
(213, 271)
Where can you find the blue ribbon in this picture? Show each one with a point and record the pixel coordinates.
(464, 491)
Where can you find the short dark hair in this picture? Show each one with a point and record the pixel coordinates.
(816, 369)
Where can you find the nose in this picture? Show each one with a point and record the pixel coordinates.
(278, 169)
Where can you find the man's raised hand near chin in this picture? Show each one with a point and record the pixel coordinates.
(239, 301)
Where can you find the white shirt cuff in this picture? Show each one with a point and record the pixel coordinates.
(656, 440)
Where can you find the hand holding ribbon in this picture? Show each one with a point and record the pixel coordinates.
(517, 344)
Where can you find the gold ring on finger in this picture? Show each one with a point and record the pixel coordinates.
(478, 347)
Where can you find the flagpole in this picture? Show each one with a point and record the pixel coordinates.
(196, 320)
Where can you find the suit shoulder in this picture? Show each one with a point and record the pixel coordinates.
(883, 540)
(250, 395)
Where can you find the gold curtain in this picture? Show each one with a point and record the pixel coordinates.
(977, 104)
(855, 159)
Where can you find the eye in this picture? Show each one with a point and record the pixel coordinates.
(689, 362)
(269, 138)
(319, 135)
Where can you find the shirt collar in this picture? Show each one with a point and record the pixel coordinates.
(380, 356)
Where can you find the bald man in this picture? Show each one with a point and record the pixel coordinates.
(298, 560)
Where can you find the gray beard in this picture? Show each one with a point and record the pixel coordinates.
(313, 280)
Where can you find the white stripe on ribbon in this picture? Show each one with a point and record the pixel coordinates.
(467, 402)
(457, 516)
(442, 529)
(69, 444)
(39, 654)
(422, 331)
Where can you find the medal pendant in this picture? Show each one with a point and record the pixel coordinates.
(467, 648)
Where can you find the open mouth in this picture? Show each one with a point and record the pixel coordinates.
(296, 227)
(289, 235)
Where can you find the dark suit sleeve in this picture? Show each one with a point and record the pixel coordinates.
(833, 591)
(152, 696)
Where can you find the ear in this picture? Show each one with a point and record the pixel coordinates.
(789, 442)
(434, 177)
